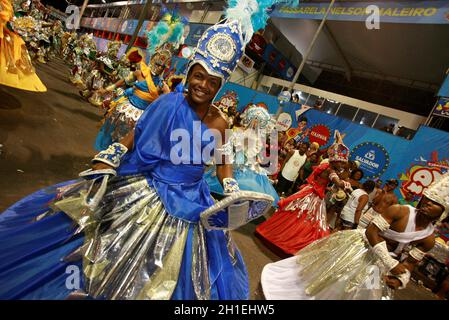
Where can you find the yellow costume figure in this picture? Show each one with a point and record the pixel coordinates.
(16, 69)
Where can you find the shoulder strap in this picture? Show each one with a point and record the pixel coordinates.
(408, 236)
(411, 225)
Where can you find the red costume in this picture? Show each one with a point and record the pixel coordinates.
(301, 218)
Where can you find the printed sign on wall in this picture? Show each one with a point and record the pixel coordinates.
(373, 157)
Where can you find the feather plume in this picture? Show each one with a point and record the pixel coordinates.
(252, 14)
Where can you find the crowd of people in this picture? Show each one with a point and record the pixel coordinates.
(150, 228)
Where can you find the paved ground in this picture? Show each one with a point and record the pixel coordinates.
(48, 138)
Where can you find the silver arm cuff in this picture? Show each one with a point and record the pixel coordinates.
(381, 223)
(417, 254)
(112, 155)
(381, 251)
(404, 278)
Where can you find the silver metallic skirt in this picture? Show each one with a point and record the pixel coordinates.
(338, 267)
(133, 248)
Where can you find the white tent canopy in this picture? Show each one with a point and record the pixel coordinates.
(415, 55)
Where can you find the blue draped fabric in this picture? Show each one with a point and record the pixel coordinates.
(182, 190)
(31, 253)
(180, 87)
(135, 100)
(152, 155)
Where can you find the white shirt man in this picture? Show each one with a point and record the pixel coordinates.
(356, 205)
(291, 167)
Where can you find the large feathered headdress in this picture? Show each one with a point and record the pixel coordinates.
(222, 45)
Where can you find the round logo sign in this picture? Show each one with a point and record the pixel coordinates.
(284, 122)
(320, 134)
(373, 157)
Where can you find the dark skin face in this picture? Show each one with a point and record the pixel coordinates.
(357, 176)
(389, 187)
(302, 148)
(313, 158)
(202, 87)
(158, 67)
(429, 209)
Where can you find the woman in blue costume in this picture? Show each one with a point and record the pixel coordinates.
(124, 112)
(245, 148)
(139, 231)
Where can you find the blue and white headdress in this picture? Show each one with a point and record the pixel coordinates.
(222, 45)
(257, 114)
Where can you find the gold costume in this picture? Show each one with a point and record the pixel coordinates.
(16, 69)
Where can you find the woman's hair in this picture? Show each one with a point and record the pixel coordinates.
(355, 171)
(369, 186)
(315, 154)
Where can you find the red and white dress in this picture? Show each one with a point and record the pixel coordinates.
(301, 218)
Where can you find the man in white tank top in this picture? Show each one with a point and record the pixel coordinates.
(357, 203)
(290, 169)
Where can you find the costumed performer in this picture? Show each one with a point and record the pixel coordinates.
(147, 229)
(362, 264)
(16, 69)
(244, 151)
(125, 111)
(301, 218)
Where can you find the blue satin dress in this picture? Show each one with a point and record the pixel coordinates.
(247, 179)
(143, 241)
